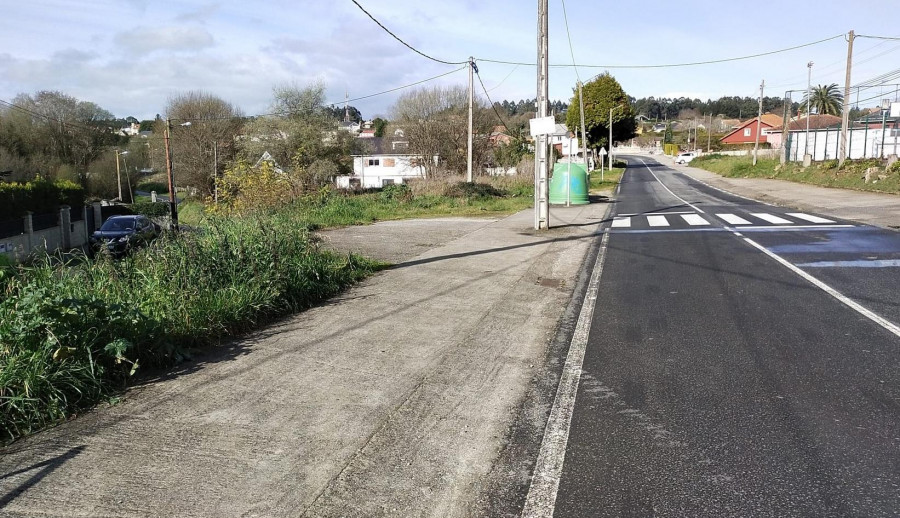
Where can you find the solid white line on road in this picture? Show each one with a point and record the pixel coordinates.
(541, 499)
(694, 219)
(698, 209)
(726, 192)
(890, 326)
(771, 218)
(619, 222)
(657, 221)
(809, 217)
(732, 219)
(656, 213)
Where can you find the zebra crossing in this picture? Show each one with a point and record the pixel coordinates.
(658, 221)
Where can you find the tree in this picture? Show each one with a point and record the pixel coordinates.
(435, 123)
(601, 95)
(302, 138)
(51, 133)
(824, 100)
(214, 125)
(379, 124)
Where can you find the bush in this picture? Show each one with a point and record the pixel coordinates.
(72, 334)
(159, 187)
(38, 196)
(475, 190)
(396, 191)
(150, 209)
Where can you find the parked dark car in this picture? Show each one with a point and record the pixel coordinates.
(121, 233)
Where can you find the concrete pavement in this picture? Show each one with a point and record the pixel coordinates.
(397, 398)
(877, 209)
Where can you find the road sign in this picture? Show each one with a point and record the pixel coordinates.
(542, 126)
(602, 151)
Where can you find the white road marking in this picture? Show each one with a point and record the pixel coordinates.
(657, 213)
(694, 219)
(657, 221)
(619, 222)
(732, 219)
(890, 326)
(541, 499)
(809, 217)
(771, 218)
(682, 200)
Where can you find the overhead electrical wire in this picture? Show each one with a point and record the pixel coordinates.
(674, 65)
(497, 113)
(49, 118)
(407, 45)
(569, 36)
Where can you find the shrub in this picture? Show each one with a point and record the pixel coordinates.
(396, 191)
(475, 190)
(150, 209)
(38, 196)
(159, 187)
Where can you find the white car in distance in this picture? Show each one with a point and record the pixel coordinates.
(684, 158)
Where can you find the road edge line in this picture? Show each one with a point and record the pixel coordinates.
(541, 499)
(691, 205)
(847, 301)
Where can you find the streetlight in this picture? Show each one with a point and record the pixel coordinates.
(808, 86)
(173, 209)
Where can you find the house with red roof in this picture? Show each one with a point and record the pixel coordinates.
(745, 133)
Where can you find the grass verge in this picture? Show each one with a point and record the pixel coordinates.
(73, 331)
(826, 174)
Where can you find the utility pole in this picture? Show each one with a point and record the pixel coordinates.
(471, 103)
(845, 116)
(610, 139)
(583, 132)
(173, 210)
(806, 140)
(119, 177)
(541, 164)
(762, 87)
(785, 127)
(709, 134)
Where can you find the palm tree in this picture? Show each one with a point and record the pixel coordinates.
(824, 100)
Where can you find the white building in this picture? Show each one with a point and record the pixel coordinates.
(385, 162)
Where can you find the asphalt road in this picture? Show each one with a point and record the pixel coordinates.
(721, 376)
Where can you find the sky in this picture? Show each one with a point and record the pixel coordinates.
(131, 56)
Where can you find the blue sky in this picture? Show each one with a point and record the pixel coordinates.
(131, 56)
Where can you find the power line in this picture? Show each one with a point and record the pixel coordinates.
(410, 47)
(674, 65)
(895, 38)
(569, 36)
(504, 79)
(49, 118)
(406, 86)
(497, 113)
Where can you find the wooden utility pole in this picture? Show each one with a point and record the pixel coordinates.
(762, 87)
(541, 163)
(469, 177)
(845, 116)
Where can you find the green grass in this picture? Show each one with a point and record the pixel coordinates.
(826, 174)
(74, 329)
(73, 334)
(609, 181)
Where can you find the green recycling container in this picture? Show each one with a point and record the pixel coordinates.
(576, 180)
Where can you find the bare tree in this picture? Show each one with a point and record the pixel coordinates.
(214, 125)
(435, 123)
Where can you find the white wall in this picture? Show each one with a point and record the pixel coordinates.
(825, 145)
(373, 176)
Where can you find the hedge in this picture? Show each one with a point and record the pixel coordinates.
(38, 196)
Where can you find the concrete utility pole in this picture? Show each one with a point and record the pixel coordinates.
(806, 158)
(541, 164)
(845, 116)
(610, 139)
(762, 87)
(785, 126)
(173, 210)
(583, 132)
(216, 169)
(471, 104)
(119, 176)
(709, 134)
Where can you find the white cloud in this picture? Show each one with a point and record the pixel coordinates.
(144, 40)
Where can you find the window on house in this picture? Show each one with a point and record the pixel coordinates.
(746, 132)
(374, 161)
(388, 162)
(387, 181)
(355, 183)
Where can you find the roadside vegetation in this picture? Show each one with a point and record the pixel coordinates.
(74, 329)
(862, 175)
